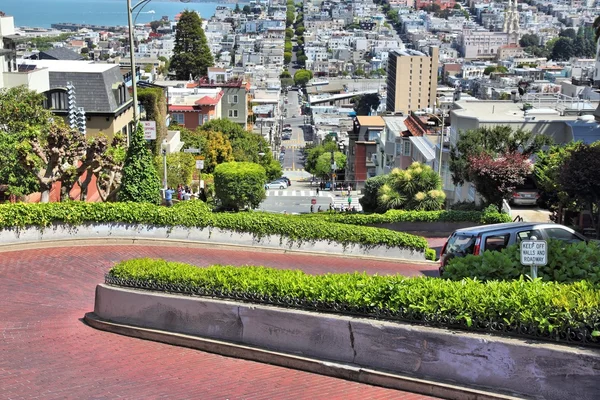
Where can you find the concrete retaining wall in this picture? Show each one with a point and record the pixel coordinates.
(427, 229)
(205, 235)
(524, 368)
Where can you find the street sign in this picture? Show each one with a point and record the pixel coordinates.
(149, 130)
(191, 150)
(199, 164)
(535, 254)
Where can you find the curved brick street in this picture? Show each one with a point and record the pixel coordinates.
(47, 352)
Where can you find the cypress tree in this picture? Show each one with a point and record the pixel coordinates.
(191, 54)
(140, 181)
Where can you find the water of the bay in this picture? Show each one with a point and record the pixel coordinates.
(42, 13)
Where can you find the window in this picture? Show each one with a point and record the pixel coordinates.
(179, 118)
(233, 99)
(496, 242)
(406, 148)
(563, 235)
(529, 235)
(202, 119)
(233, 113)
(57, 100)
(373, 135)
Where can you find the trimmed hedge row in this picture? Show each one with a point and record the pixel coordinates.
(392, 216)
(566, 263)
(197, 214)
(548, 310)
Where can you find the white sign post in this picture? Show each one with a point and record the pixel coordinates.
(200, 164)
(149, 130)
(191, 150)
(535, 254)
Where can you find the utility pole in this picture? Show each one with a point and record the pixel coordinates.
(132, 61)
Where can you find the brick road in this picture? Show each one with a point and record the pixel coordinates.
(47, 352)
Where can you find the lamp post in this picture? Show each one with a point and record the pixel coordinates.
(164, 154)
(130, 10)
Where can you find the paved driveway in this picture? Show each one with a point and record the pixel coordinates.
(47, 352)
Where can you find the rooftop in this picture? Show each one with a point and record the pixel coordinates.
(370, 120)
(71, 66)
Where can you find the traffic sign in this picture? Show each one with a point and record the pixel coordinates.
(535, 254)
(199, 164)
(149, 130)
(191, 150)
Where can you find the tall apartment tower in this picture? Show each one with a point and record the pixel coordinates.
(412, 80)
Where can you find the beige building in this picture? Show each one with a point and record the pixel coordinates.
(412, 80)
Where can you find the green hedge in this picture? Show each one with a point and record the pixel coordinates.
(392, 216)
(549, 309)
(197, 214)
(566, 263)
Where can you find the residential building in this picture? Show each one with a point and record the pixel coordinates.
(362, 157)
(481, 44)
(100, 90)
(192, 107)
(411, 80)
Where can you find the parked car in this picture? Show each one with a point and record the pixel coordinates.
(276, 185)
(286, 136)
(477, 239)
(526, 194)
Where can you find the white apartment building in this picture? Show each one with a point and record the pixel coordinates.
(478, 44)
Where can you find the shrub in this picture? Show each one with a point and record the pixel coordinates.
(466, 206)
(392, 216)
(417, 188)
(140, 181)
(197, 214)
(369, 200)
(566, 263)
(541, 309)
(180, 168)
(239, 185)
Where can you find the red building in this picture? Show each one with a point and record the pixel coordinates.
(442, 3)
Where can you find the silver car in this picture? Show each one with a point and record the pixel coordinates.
(276, 185)
(495, 237)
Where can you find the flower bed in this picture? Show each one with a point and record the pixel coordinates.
(544, 310)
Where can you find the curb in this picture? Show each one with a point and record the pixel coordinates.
(322, 367)
(190, 243)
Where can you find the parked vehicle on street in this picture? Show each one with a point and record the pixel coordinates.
(286, 180)
(276, 185)
(495, 237)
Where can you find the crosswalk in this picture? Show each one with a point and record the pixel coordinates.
(294, 142)
(302, 193)
(292, 169)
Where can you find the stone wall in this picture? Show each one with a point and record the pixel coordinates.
(521, 367)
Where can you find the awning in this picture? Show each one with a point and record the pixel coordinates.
(423, 146)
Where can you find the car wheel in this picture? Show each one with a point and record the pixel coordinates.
(281, 187)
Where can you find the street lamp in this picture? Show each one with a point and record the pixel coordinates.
(130, 10)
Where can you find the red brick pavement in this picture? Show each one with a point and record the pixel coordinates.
(47, 352)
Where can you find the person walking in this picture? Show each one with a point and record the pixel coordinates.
(169, 197)
(317, 191)
(349, 201)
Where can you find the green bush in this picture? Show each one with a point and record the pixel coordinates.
(239, 185)
(392, 216)
(197, 214)
(566, 263)
(548, 309)
(369, 199)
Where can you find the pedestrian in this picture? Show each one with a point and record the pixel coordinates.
(319, 209)
(312, 208)
(169, 197)
(349, 202)
(349, 189)
(180, 192)
(317, 191)
(187, 194)
(330, 206)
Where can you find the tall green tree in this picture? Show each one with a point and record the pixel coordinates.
(191, 55)
(140, 181)
(563, 49)
(313, 154)
(323, 165)
(367, 103)
(494, 159)
(239, 185)
(302, 76)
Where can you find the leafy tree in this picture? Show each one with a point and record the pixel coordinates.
(323, 165)
(367, 103)
(287, 57)
(239, 185)
(563, 49)
(313, 153)
(191, 55)
(285, 74)
(22, 118)
(495, 68)
(289, 33)
(180, 168)
(596, 28)
(301, 60)
(237, 10)
(529, 39)
(246, 10)
(568, 33)
(547, 169)
(457, 6)
(300, 30)
(217, 150)
(580, 180)
(369, 201)
(492, 145)
(140, 181)
(417, 188)
(302, 76)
